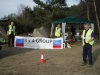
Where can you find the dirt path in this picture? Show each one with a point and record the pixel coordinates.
(20, 61)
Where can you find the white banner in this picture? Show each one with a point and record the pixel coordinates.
(38, 42)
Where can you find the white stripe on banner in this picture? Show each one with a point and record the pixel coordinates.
(38, 42)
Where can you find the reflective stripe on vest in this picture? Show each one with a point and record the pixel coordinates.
(10, 30)
(87, 37)
(57, 32)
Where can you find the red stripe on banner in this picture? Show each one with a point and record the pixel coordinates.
(20, 45)
(56, 46)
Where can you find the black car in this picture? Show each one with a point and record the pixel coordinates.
(2, 20)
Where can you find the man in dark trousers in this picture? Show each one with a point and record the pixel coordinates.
(73, 32)
(87, 41)
(11, 34)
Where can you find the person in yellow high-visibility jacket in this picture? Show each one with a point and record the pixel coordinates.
(11, 33)
(58, 31)
(87, 42)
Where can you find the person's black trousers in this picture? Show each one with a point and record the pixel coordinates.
(11, 38)
(87, 51)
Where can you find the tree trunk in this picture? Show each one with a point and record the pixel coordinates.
(96, 16)
(88, 15)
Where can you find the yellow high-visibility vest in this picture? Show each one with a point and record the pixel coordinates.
(10, 30)
(58, 32)
(87, 37)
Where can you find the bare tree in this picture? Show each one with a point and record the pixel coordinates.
(96, 16)
(88, 13)
(87, 5)
(95, 8)
(21, 7)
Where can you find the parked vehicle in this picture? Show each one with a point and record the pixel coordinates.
(2, 33)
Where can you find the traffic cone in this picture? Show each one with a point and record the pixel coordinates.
(42, 59)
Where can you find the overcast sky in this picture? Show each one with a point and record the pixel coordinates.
(11, 6)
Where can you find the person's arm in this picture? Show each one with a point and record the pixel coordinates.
(7, 30)
(55, 31)
(92, 37)
(61, 33)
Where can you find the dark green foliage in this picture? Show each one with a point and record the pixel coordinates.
(48, 11)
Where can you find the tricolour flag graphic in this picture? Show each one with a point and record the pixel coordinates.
(56, 43)
(19, 42)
